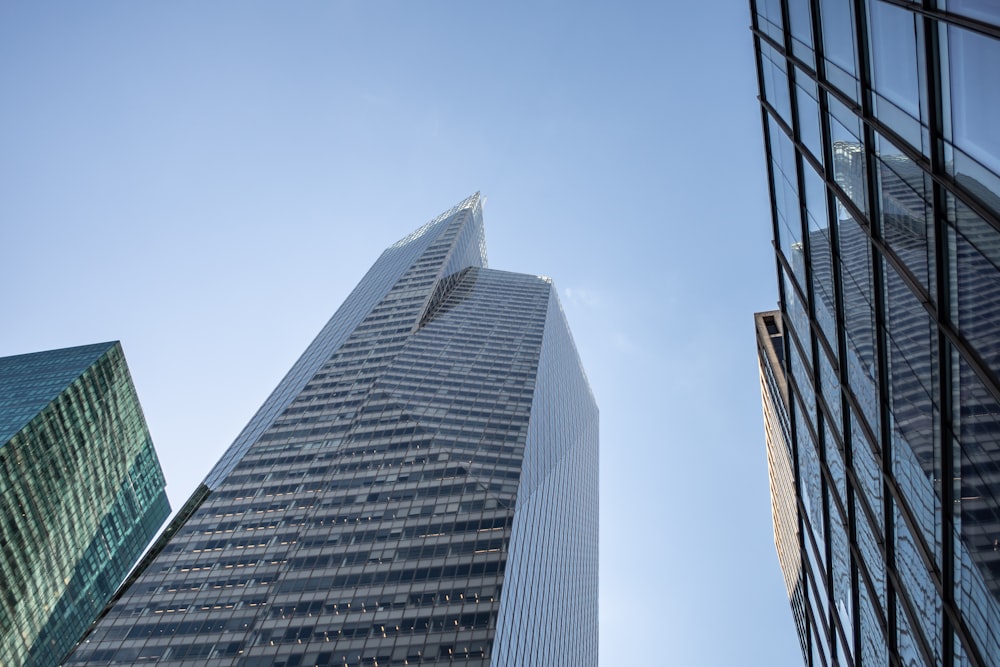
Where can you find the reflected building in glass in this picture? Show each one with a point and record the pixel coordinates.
(421, 488)
(81, 495)
(881, 371)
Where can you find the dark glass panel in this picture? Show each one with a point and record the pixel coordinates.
(874, 650)
(976, 289)
(905, 196)
(796, 309)
(840, 569)
(867, 465)
(849, 169)
(913, 373)
(978, 433)
(831, 389)
(809, 471)
(859, 317)
(823, 289)
(919, 589)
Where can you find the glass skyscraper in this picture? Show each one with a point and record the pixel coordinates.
(881, 371)
(421, 488)
(81, 495)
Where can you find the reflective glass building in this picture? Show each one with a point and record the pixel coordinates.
(81, 495)
(421, 488)
(881, 371)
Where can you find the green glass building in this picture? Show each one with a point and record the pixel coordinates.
(81, 495)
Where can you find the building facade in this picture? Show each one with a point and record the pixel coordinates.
(81, 495)
(881, 371)
(421, 488)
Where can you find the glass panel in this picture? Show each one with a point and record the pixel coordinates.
(809, 470)
(801, 28)
(920, 590)
(874, 650)
(769, 12)
(913, 380)
(896, 60)
(831, 388)
(976, 291)
(974, 58)
(839, 44)
(809, 130)
(776, 81)
(823, 280)
(916, 460)
(859, 318)
(840, 566)
(988, 10)
(848, 153)
(907, 217)
(798, 318)
(868, 468)
(786, 198)
(978, 430)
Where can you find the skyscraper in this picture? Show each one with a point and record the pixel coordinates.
(421, 488)
(881, 371)
(81, 495)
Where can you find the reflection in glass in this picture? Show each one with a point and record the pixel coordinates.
(973, 60)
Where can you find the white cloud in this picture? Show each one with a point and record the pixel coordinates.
(582, 297)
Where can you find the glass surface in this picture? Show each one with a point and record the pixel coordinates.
(769, 13)
(978, 439)
(859, 316)
(840, 571)
(874, 650)
(849, 167)
(823, 283)
(786, 200)
(898, 316)
(985, 10)
(808, 110)
(776, 82)
(919, 589)
(831, 391)
(797, 320)
(837, 23)
(973, 59)
(800, 20)
(896, 61)
(810, 481)
(907, 218)
(81, 497)
(975, 304)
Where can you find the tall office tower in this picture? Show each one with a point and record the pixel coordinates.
(881, 372)
(421, 488)
(81, 495)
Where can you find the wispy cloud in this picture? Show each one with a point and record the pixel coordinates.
(579, 296)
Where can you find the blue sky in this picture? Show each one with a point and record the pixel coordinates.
(207, 181)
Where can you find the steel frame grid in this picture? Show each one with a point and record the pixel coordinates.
(943, 185)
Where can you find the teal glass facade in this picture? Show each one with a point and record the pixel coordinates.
(81, 495)
(883, 160)
(421, 488)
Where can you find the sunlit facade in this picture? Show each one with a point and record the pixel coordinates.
(883, 157)
(420, 489)
(81, 495)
